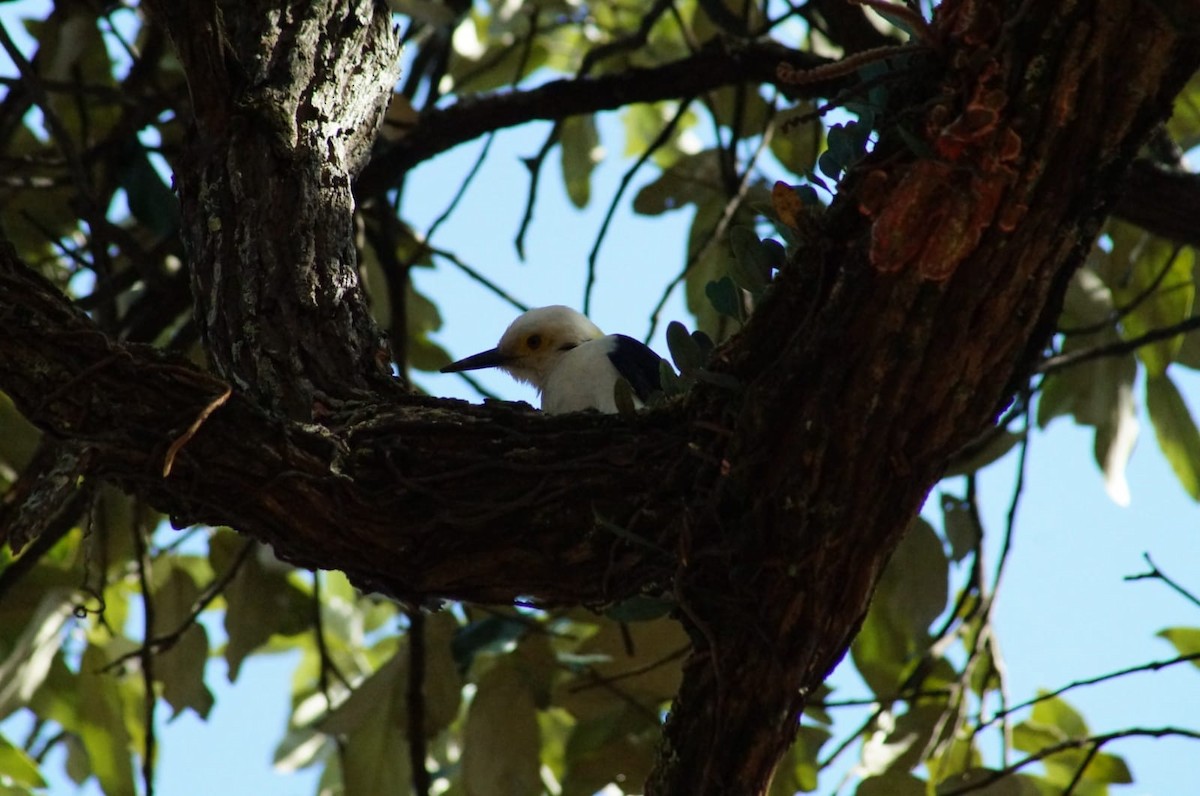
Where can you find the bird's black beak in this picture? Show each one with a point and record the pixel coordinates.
(484, 359)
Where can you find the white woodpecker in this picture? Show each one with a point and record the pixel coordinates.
(573, 364)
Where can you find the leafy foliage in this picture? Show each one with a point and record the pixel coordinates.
(521, 701)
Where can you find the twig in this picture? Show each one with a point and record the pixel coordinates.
(597, 681)
(480, 278)
(145, 653)
(718, 231)
(1120, 312)
(1066, 746)
(1057, 363)
(415, 698)
(661, 139)
(714, 66)
(1083, 764)
(534, 165)
(1157, 574)
(1153, 666)
(165, 642)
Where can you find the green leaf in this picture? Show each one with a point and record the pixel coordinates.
(1153, 278)
(261, 600)
(892, 783)
(640, 608)
(422, 319)
(18, 767)
(685, 350)
(741, 106)
(615, 747)
(725, 297)
(581, 151)
(1010, 785)
(1088, 302)
(645, 657)
(1098, 393)
(501, 740)
(1176, 431)
(669, 380)
(911, 593)
(181, 668)
(996, 447)
(1184, 124)
(644, 123)
(102, 726)
(489, 634)
(800, 767)
(443, 683)
(796, 145)
(151, 202)
(751, 265)
(375, 755)
(960, 526)
(1186, 640)
(28, 660)
(694, 179)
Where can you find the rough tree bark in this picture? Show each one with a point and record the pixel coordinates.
(915, 306)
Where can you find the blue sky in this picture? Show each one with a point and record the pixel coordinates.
(1065, 612)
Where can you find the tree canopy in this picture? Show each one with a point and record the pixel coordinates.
(917, 234)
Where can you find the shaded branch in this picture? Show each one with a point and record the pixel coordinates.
(412, 497)
(1165, 202)
(719, 64)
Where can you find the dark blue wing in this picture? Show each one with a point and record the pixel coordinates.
(637, 363)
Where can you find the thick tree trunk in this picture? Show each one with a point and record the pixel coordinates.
(899, 334)
(286, 101)
(918, 301)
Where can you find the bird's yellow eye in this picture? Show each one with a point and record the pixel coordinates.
(533, 342)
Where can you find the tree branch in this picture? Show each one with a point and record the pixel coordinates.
(719, 64)
(1165, 202)
(371, 497)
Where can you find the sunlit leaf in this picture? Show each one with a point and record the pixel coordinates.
(181, 667)
(911, 593)
(892, 783)
(694, 179)
(1176, 431)
(796, 144)
(443, 684)
(18, 767)
(27, 661)
(799, 768)
(1186, 640)
(1184, 124)
(1151, 279)
(642, 660)
(102, 726)
(261, 599)
(614, 747)
(501, 740)
(581, 151)
(1098, 393)
(375, 759)
(960, 526)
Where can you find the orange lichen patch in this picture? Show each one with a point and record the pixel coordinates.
(933, 214)
(787, 204)
(872, 194)
(908, 215)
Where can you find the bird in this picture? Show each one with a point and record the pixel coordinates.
(573, 364)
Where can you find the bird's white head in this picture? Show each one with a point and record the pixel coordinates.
(533, 344)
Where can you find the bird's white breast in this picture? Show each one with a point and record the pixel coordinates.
(583, 378)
